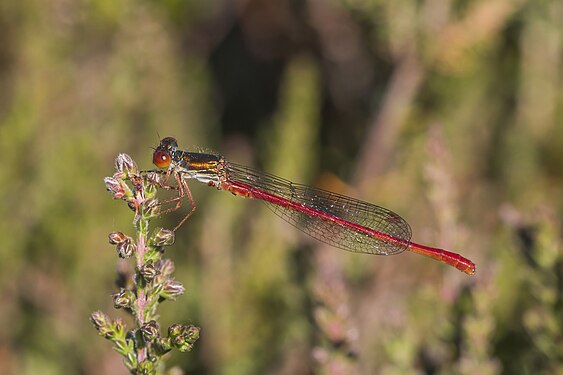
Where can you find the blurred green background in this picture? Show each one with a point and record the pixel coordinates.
(448, 112)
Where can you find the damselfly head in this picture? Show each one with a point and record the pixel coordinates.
(161, 156)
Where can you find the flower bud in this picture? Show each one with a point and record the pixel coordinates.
(150, 331)
(146, 367)
(151, 208)
(162, 237)
(126, 249)
(159, 279)
(175, 330)
(192, 333)
(172, 289)
(115, 238)
(102, 323)
(181, 344)
(152, 183)
(119, 326)
(165, 267)
(185, 340)
(123, 299)
(125, 164)
(118, 187)
(148, 271)
(112, 184)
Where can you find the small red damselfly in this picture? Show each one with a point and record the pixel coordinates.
(338, 220)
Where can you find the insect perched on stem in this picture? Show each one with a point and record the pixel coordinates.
(338, 220)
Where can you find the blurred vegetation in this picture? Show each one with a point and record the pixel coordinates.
(448, 112)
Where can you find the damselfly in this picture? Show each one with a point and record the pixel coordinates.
(338, 220)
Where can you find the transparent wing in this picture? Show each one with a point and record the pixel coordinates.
(321, 227)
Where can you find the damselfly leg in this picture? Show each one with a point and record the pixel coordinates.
(183, 192)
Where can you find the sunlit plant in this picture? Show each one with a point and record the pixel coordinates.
(143, 346)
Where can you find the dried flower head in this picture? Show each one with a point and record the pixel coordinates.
(123, 299)
(162, 237)
(150, 331)
(126, 249)
(148, 271)
(183, 337)
(172, 289)
(102, 323)
(115, 238)
(126, 166)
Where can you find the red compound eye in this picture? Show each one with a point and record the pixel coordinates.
(161, 159)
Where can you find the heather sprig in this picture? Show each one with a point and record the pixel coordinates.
(143, 346)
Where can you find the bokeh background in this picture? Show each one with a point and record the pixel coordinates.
(448, 112)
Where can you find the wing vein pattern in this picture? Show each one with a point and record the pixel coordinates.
(349, 209)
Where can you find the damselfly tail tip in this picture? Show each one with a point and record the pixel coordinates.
(464, 265)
